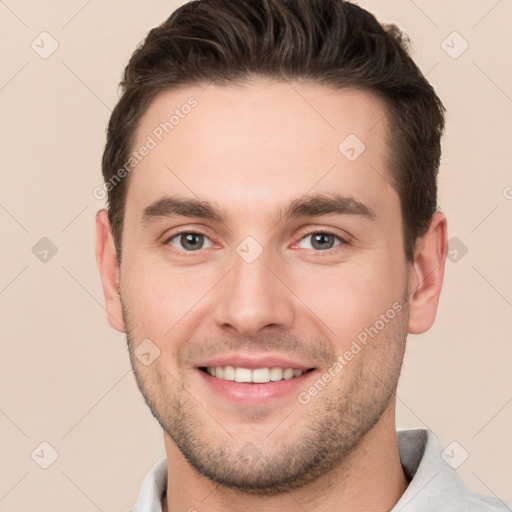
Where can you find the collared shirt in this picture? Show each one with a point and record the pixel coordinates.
(434, 485)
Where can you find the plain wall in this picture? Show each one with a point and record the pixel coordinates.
(65, 375)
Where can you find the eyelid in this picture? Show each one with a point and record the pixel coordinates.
(328, 231)
(180, 230)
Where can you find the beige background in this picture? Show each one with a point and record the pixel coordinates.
(65, 376)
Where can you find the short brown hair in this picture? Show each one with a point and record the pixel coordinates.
(329, 42)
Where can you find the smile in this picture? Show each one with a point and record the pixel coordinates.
(253, 375)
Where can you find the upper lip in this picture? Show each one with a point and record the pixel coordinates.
(255, 361)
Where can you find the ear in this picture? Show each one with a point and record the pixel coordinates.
(426, 275)
(109, 270)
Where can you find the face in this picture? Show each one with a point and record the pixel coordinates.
(259, 246)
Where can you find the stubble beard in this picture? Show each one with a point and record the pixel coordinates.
(337, 421)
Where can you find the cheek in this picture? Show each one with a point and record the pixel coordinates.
(350, 299)
(158, 296)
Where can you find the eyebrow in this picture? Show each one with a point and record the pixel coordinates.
(311, 205)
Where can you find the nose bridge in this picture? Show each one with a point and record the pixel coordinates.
(252, 297)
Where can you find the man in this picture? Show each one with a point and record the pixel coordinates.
(272, 235)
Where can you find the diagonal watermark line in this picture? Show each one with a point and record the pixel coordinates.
(501, 409)
(414, 413)
(300, 299)
(306, 193)
(74, 218)
(432, 68)
(13, 13)
(14, 423)
(493, 287)
(396, 395)
(492, 492)
(14, 76)
(294, 499)
(81, 490)
(421, 282)
(215, 488)
(104, 395)
(196, 303)
(491, 80)
(289, 83)
(485, 15)
(76, 14)
(13, 279)
(198, 403)
(492, 211)
(279, 424)
(177, 177)
(419, 490)
(14, 485)
(388, 182)
(378, 122)
(71, 71)
(424, 14)
(91, 295)
(14, 218)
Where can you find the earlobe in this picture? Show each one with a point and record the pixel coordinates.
(426, 275)
(108, 265)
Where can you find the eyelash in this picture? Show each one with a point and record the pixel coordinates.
(343, 241)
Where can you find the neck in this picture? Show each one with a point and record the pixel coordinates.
(369, 478)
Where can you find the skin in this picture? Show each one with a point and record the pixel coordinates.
(251, 149)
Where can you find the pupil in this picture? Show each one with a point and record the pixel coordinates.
(189, 241)
(321, 239)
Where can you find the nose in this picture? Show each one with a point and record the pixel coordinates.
(254, 296)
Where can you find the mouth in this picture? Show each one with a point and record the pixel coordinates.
(254, 378)
(254, 381)
(263, 375)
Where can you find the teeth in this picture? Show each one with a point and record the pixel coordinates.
(258, 375)
(288, 374)
(229, 372)
(276, 374)
(243, 375)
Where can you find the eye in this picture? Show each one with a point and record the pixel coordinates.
(322, 240)
(189, 241)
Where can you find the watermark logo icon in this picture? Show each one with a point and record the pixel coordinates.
(457, 249)
(250, 454)
(44, 45)
(454, 455)
(249, 249)
(44, 455)
(146, 352)
(44, 250)
(351, 147)
(454, 45)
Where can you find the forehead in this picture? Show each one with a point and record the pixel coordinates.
(261, 142)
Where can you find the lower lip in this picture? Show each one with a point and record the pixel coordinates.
(247, 392)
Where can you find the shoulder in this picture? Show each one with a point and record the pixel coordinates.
(433, 483)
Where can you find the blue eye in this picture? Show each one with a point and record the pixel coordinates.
(189, 241)
(322, 240)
